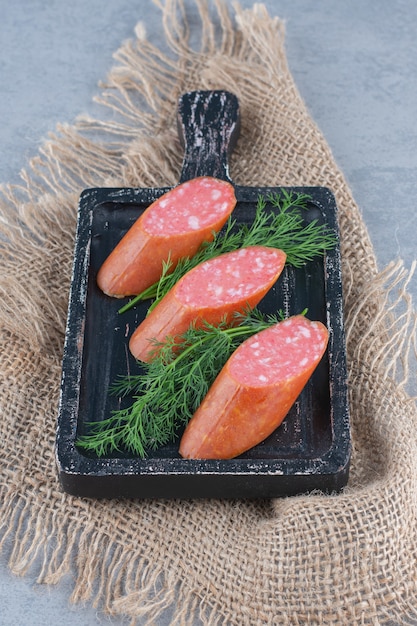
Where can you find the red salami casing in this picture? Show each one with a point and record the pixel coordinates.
(255, 390)
(172, 227)
(212, 291)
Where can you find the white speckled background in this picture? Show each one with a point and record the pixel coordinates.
(355, 64)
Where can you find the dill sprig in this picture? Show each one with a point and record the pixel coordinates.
(282, 228)
(171, 388)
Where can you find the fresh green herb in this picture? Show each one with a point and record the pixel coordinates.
(282, 228)
(171, 388)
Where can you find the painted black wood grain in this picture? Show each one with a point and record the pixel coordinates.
(310, 450)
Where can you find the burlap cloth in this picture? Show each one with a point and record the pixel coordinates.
(340, 559)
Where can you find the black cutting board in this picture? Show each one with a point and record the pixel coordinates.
(309, 451)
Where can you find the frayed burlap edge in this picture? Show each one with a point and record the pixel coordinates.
(345, 559)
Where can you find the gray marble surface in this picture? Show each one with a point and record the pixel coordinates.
(355, 65)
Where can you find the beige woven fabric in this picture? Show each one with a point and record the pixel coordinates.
(342, 559)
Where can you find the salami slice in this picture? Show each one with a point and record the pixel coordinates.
(255, 390)
(172, 227)
(212, 291)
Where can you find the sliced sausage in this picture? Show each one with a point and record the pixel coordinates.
(172, 227)
(255, 390)
(212, 291)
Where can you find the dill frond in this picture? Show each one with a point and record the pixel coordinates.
(171, 388)
(282, 227)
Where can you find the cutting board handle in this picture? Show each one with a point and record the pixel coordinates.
(208, 126)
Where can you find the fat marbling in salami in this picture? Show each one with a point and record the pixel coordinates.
(173, 226)
(255, 389)
(211, 292)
